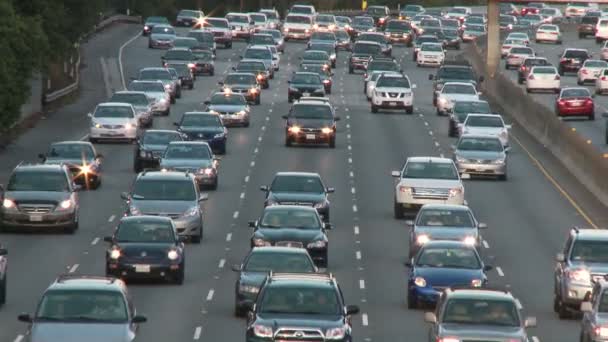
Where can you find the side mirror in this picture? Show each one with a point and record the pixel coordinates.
(530, 322)
(203, 197)
(124, 196)
(586, 307)
(252, 224)
(482, 226)
(409, 222)
(453, 147)
(176, 124)
(330, 190)
(479, 93)
(508, 126)
(108, 239)
(465, 176)
(99, 156)
(430, 317)
(207, 102)
(488, 268)
(3, 251)
(560, 257)
(139, 319)
(42, 156)
(396, 174)
(25, 318)
(264, 188)
(507, 149)
(90, 115)
(237, 268)
(220, 83)
(328, 226)
(284, 117)
(352, 309)
(431, 77)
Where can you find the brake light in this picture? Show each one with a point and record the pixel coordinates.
(588, 101)
(561, 102)
(557, 77)
(531, 77)
(603, 78)
(584, 72)
(523, 68)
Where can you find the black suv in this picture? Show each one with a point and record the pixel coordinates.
(151, 146)
(572, 60)
(363, 52)
(305, 84)
(41, 196)
(311, 121)
(453, 72)
(300, 307)
(399, 31)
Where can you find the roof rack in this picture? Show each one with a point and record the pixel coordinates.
(484, 288)
(64, 277)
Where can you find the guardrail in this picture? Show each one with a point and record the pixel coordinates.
(57, 94)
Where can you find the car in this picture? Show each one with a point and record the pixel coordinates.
(344, 23)
(189, 18)
(399, 31)
(185, 75)
(580, 262)
(417, 20)
(297, 26)
(527, 65)
(548, 33)
(421, 40)
(203, 63)
(323, 311)
(531, 20)
(170, 194)
(277, 36)
(426, 180)
(473, 32)
(453, 71)
(472, 313)
(410, 11)
(587, 26)
(575, 101)
(393, 91)
(325, 22)
(516, 56)
(161, 36)
(81, 158)
(89, 305)
(343, 40)
(594, 312)
(293, 226)
(578, 9)
(590, 71)
(507, 22)
(192, 43)
(204, 126)
(378, 37)
(308, 10)
(601, 83)
(151, 22)
(272, 15)
(163, 75)
(40, 196)
(474, 20)
(258, 68)
(380, 14)
(151, 146)
(140, 102)
(452, 39)
(303, 84)
(179, 55)
(571, 60)
(459, 113)
(260, 21)
(240, 24)
(155, 90)
(262, 39)
(220, 27)
(430, 54)
(520, 36)
(487, 124)
(146, 247)
(316, 57)
(195, 157)
(242, 83)
(113, 121)
(362, 24)
(372, 79)
(254, 269)
(551, 15)
(311, 121)
(206, 40)
(363, 52)
(508, 44)
(441, 264)
(322, 71)
(481, 155)
(543, 78)
(299, 188)
(455, 91)
(386, 64)
(262, 54)
(508, 8)
(330, 49)
(458, 12)
(3, 274)
(232, 109)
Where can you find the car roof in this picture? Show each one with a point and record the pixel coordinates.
(590, 234)
(308, 102)
(306, 279)
(85, 282)
(179, 48)
(430, 160)
(479, 293)
(441, 206)
(114, 104)
(162, 175)
(200, 113)
(367, 42)
(492, 115)
(131, 92)
(41, 167)
(152, 68)
(297, 174)
(163, 25)
(241, 74)
(279, 249)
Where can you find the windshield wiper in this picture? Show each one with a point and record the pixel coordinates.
(271, 226)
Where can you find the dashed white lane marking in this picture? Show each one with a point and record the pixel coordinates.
(19, 338)
(356, 229)
(430, 132)
(348, 136)
(235, 215)
(355, 208)
(350, 147)
(197, 333)
(256, 150)
(228, 236)
(426, 123)
(246, 179)
(364, 320)
(485, 244)
(361, 284)
(210, 295)
(351, 174)
(242, 195)
(120, 69)
(353, 190)
(74, 268)
(95, 241)
(260, 138)
(350, 160)
(500, 272)
(535, 339)
(222, 263)
(358, 255)
(436, 144)
(111, 218)
(252, 164)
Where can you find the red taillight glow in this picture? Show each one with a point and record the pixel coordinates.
(557, 77)
(531, 77)
(584, 72)
(603, 78)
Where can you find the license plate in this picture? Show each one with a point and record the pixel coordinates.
(112, 133)
(393, 104)
(142, 268)
(310, 136)
(305, 94)
(576, 104)
(35, 218)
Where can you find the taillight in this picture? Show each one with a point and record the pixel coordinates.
(563, 60)
(588, 101)
(511, 56)
(603, 78)
(531, 77)
(584, 72)
(523, 68)
(561, 102)
(557, 77)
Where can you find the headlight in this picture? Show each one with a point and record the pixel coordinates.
(167, 86)
(262, 331)
(8, 203)
(253, 90)
(129, 126)
(172, 255)
(95, 124)
(219, 135)
(405, 189)
(241, 113)
(336, 333)
(249, 289)
(260, 242)
(476, 282)
(498, 161)
(162, 101)
(317, 244)
(115, 254)
(470, 240)
(326, 130)
(326, 81)
(420, 282)
(580, 275)
(207, 171)
(213, 111)
(442, 100)
(422, 239)
(146, 28)
(294, 129)
(66, 204)
(260, 77)
(143, 154)
(271, 202)
(191, 212)
(455, 192)
(319, 205)
(601, 331)
(134, 210)
(293, 90)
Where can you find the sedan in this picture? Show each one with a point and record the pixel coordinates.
(519, 35)
(575, 102)
(517, 55)
(113, 121)
(231, 108)
(601, 83)
(195, 157)
(237, 84)
(543, 78)
(203, 126)
(590, 71)
(508, 44)
(527, 65)
(146, 247)
(486, 124)
(161, 36)
(304, 84)
(548, 33)
(482, 155)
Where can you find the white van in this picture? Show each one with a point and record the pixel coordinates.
(601, 30)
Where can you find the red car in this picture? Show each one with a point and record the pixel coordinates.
(575, 101)
(529, 10)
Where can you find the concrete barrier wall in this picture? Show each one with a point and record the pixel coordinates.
(582, 159)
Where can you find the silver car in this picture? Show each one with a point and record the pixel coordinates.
(231, 108)
(113, 121)
(594, 325)
(161, 74)
(487, 124)
(161, 36)
(482, 155)
(195, 157)
(455, 91)
(140, 101)
(168, 193)
(155, 90)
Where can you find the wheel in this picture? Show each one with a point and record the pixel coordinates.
(374, 109)
(592, 116)
(560, 71)
(238, 311)
(71, 229)
(179, 277)
(93, 140)
(506, 66)
(411, 302)
(178, 94)
(332, 142)
(598, 40)
(451, 132)
(247, 123)
(328, 91)
(167, 112)
(197, 238)
(556, 90)
(458, 47)
(528, 90)
(398, 211)
(95, 185)
(258, 99)
(409, 110)
(520, 80)
(562, 310)
(227, 45)
(502, 177)
(581, 36)
(214, 186)
(212, 72)
(559, 42)
(350, 70)
(324, 263)
(555, 304)
(266, 85)
(288, 142)
(172, 100)
(289, 99)
(579, 82)
(3, 290)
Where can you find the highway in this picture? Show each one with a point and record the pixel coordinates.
(528, 216)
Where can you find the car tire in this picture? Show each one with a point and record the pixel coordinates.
(239, 311)
(556, 90)
(350, 70)
(528, 90)
(409, 110)
(324, 263)
(332, 142)
(503, 177)
(560, 71)
(137, 167)
(212, 72)
(214, 185)
(266, 85)
(93, 140)
(506, 66)
(288, 142)
(592, 116)
(258, 99)
(581, 36)
(167, 112)
(72, 228)
(328, 91)
(374, 109)
(178, 93)
(3, 290)
(412, 304)
(197, 238)
(172, 100)
(227, 45)
(398, 211)
(555, 304)
(289, 99)
(598, 41)
(562, 309)
(520, 80)
(579, 82)
(178, 278)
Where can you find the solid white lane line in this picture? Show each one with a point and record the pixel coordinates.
(235, 215)
(228, 236)
(95, 241)
(222, 263)
(111, 218)
(518, 304)
(74, 268)
(85, 137)
(485, 244)
(361, 284)
(358, 255)
(197, 333)
(355, 208)
(356, 229)
(19, 338)
(500, 272)
(210, 295)
(122, 73)
(364, 320)
(242, 195)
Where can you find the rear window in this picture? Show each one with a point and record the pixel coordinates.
(576, 54)
(544, 70)
(529, 62)
(589, 20)
(576, 92)
(522, 50)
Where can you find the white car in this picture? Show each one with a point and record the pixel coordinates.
(604, 51)
(601, 30)
(551, 15)
(393, 91)
(370, 81)
(519, 35)
(548, 33)
(455, 91)
(590, 71)
(430, 54)
(508, 44)
(486, 124)
(113, 121)
(601, 83)
(260, 21)
(458, 12)
(297, 26)
(427, 180)
(578, 9)
(543, 78)
(276, 57)
(325, 23)
(516, 56)
(240, 24)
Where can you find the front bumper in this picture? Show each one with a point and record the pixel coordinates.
(475, 168)
(297, 35)
(161, 107)
(388, 102)
(161, 44)
(206, 179)
(234, 120)
(51, 220)
(304, 137)
(358, 64)
(113, 134)
(204, 68)
(298, 94)
(142, 270)
(238, 34)
(429, 61)
(188, 226)
(573, 294)
(548, 37)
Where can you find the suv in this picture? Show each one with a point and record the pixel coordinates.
(41, 196)
(311, 122)
(453, 72)
(580, 262)
(363, 52)
(220, 29)
(381, 15)
(466, 314)
(302, 317)
(425, 180)
(587, 26)
(392, 91)
(571, 60)
(168, 193)
(241, 25)
(79, 307)
(594, 310)
(151, 146)
(399, 31)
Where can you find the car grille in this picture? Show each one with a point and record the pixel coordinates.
(218, 34)
(431, 193)
(140, 255)
(300, 335)
(295, 30)
(157, 154)
(393, 94)
(295, 244)
(201, 135)
(112, 126)
(36, 208)
(483, 161)
(172, 216)
(310, 130)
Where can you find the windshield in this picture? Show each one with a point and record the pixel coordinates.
(426, 39)
(276, 34)
(294, 299)
(258, 17)
(163, 30)
(262, 39)
(202, 36)
(603, 307)
(328, 48)
(323, 36)
(145, 231)
(393, 82)
(576, 54)
(187, 13)
(315, 55)
(484, 121)
(310, 111)
(164, 190)
(480, 144)
(301, 184)
(431, 47)
(133, 99)
(160, 138)
(475, 28)
(278, 262)
(382, 65)
(298, 19)
(595, 64)
(38, 181)
(237, 18)
(342, 35)
(507, 19)
(216, 23)
(240, 79)
(450, 33)
(363, 21)
(71, 151)
(430, 23)
(147, 86)
(589, 251)
(291, 218)
(458, 10)
(475, 20)
(413, 8)
(185, 42)
(113, 112)
(577, 92)
(306, 79)
(535, 61)
(376, 11)
(83, 305)
(471, 107)
(481, 311)
(448, 258)
(398, 25)
(182, 69)
(430, 170)
(187, 151)
(548, 28)
(258, 54)
(200, 120)
(157, 20)
(301, 9)
(549, 70)
(378, 38)
(270, 14)
(521, 50)
(231, 100)
(445, 218)
(367, 49)
(154, 74)
(459, 89)
(325, 19)
(179, 55)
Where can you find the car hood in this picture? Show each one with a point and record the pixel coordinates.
(151, 249)
(140, 109)
(163, 207)
(600, 268)
(397, 30)
(77, 332)
(154, 147)
(431, 183)
(440, 276)
(296, 197)
(289, 234)
(460, 97)
(322, 322)
(475, 331)
(305, 85)
(446, 233)
(485, 155)
(297, 26)
(160, 36)
(393, 90)
(41, 197)
(185, 163)
(227, 108)
(69, 161)
(312, 123)
(241, 86)
(253, 278)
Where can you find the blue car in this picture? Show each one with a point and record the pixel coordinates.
(442, 264)
(204, 126)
